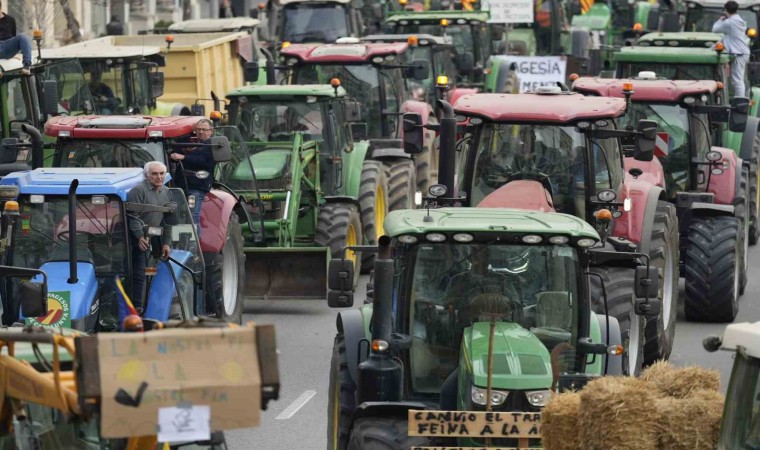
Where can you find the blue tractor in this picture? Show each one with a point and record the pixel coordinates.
(72, 223)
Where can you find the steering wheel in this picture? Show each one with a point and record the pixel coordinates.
(66, 234)
(480, 302)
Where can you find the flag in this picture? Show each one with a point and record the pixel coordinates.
(126, 307)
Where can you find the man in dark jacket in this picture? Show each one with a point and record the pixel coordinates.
(114, 27)
(12, 43)
(194, 160)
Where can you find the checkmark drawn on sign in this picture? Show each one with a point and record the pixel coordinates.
(123, 398)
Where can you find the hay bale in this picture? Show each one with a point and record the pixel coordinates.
(559, 422)
(691, 423)
(680, 382)
(619, 413)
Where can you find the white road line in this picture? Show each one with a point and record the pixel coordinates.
(299, 403)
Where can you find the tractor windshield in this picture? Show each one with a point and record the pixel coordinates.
(741, 423)
(456, 285)
(276, 120)
(107, 153)
(304, 22)
(554, 155)
(702, 19)
(673, 71)
(70, 80)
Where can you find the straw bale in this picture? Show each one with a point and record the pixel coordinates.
(680, 382)
(618, 413)
(559, 422)
(691, 423)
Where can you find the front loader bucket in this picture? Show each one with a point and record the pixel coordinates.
(293, 273)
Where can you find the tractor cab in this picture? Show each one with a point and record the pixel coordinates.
(312, 21)
(700, 15)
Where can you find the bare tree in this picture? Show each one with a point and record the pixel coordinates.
(71, 22)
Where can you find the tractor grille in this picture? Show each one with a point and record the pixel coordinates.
(275, 184)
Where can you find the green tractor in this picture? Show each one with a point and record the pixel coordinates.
(700, 15)
(447, 281)
(692, 62)
(320, 190)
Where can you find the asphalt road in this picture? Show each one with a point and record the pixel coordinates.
(305, 332)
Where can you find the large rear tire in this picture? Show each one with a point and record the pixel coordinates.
(402, 183)
(663, 254)
(741, 204)
(618, 284)
(427, 161)
(227, 273)
(711, 267)
(754, 192)
(373, 201)
(341, 398)
(377, 433)
(339, 226)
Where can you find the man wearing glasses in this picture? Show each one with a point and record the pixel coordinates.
(195, 160)
(150, 192)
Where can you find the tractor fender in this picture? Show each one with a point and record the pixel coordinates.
(612, 364)
(386, 409)
(457, 93)
(215, 216)
(352, 168)
(350, 324)
(653, 171)
(389, 153)
(710, 210)
(342, 199)
(650, 209)
(725, 185)
(162, 289)
(748, 138)
(633, 224)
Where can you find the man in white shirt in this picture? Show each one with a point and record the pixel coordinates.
(734, 30)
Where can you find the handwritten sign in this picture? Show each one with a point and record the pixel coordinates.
(184, 424)
(510, 11)
(475, 424)
(536, 71)
(143, 372)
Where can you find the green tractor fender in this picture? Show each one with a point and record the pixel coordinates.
(352, 168)
(596, 336)
(353, 324)
(169, 109)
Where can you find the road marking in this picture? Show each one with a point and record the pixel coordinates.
(291, 410)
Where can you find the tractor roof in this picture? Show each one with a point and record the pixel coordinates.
(561, 108)
(670, 55)
(92, 181)
(597, 18)
(339, 53)
(645, 90)
(294, 90)
(473, 220)
(214, 25)
(696, 39)
(743, 4)
(745, 335)
(436, 16)
(422, 39)
(121, 127)
(8, 65)
(105, 47)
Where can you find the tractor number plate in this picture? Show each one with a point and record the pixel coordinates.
(475, 424)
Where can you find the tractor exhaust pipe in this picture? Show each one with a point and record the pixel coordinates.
(381, 376)
(447, 152)
(38, 156)
(73, 232)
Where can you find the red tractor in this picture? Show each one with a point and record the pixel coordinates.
(376, 75)
(571, 145)
(131, 141)
(708, 185)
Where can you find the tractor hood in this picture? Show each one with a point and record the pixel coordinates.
(270, 164)
(520, 360)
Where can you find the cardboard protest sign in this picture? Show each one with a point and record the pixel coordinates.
(509, 11)
(536, 71)
(474, 424)
(182, 368)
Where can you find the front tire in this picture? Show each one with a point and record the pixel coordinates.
(373, 201)
(341, 398)
(711, 267)
(663, 254)
(377, 433)
(754, 191)
(227, 275)
(402, 183)
(618, 284)
(339, 226)
(741, 209)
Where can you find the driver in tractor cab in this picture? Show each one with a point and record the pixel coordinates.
(291, 123)
(103, 95)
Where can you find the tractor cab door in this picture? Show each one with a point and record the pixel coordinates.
(75, 96)
(337, 141)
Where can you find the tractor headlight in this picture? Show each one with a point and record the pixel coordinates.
(538, 398)
(479, 396)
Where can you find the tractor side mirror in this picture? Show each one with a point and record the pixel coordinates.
(646, 282)
(646, 137)
(33, 299)
(352, 111)
(251, 72)
(50, 97)
(418, 70)
(340, 299)
(198, 110)
(156, 84)
(753, 69)
(737, 119)
(412, 133)
(647, 308)
(340, 281)
(220, 148)
(8, 150)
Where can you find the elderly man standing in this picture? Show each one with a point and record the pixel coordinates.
(150, 192)
(734, 30)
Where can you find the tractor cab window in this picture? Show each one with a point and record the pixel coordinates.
(456, 289)
(549, 154)
(742, 405)
(392, 88)
(672, 71)
(673, 136)
(138, 78)
(304, 22)
(277, 120)
(72, 88)
(419, 88)
(107, 87)
(607, 162)
(17, 106)
(107, 153)
(702, 19)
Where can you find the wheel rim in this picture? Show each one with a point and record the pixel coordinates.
(351, 239)
(634, 337)
(667, 286)
(380, 209)
(230, 267)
